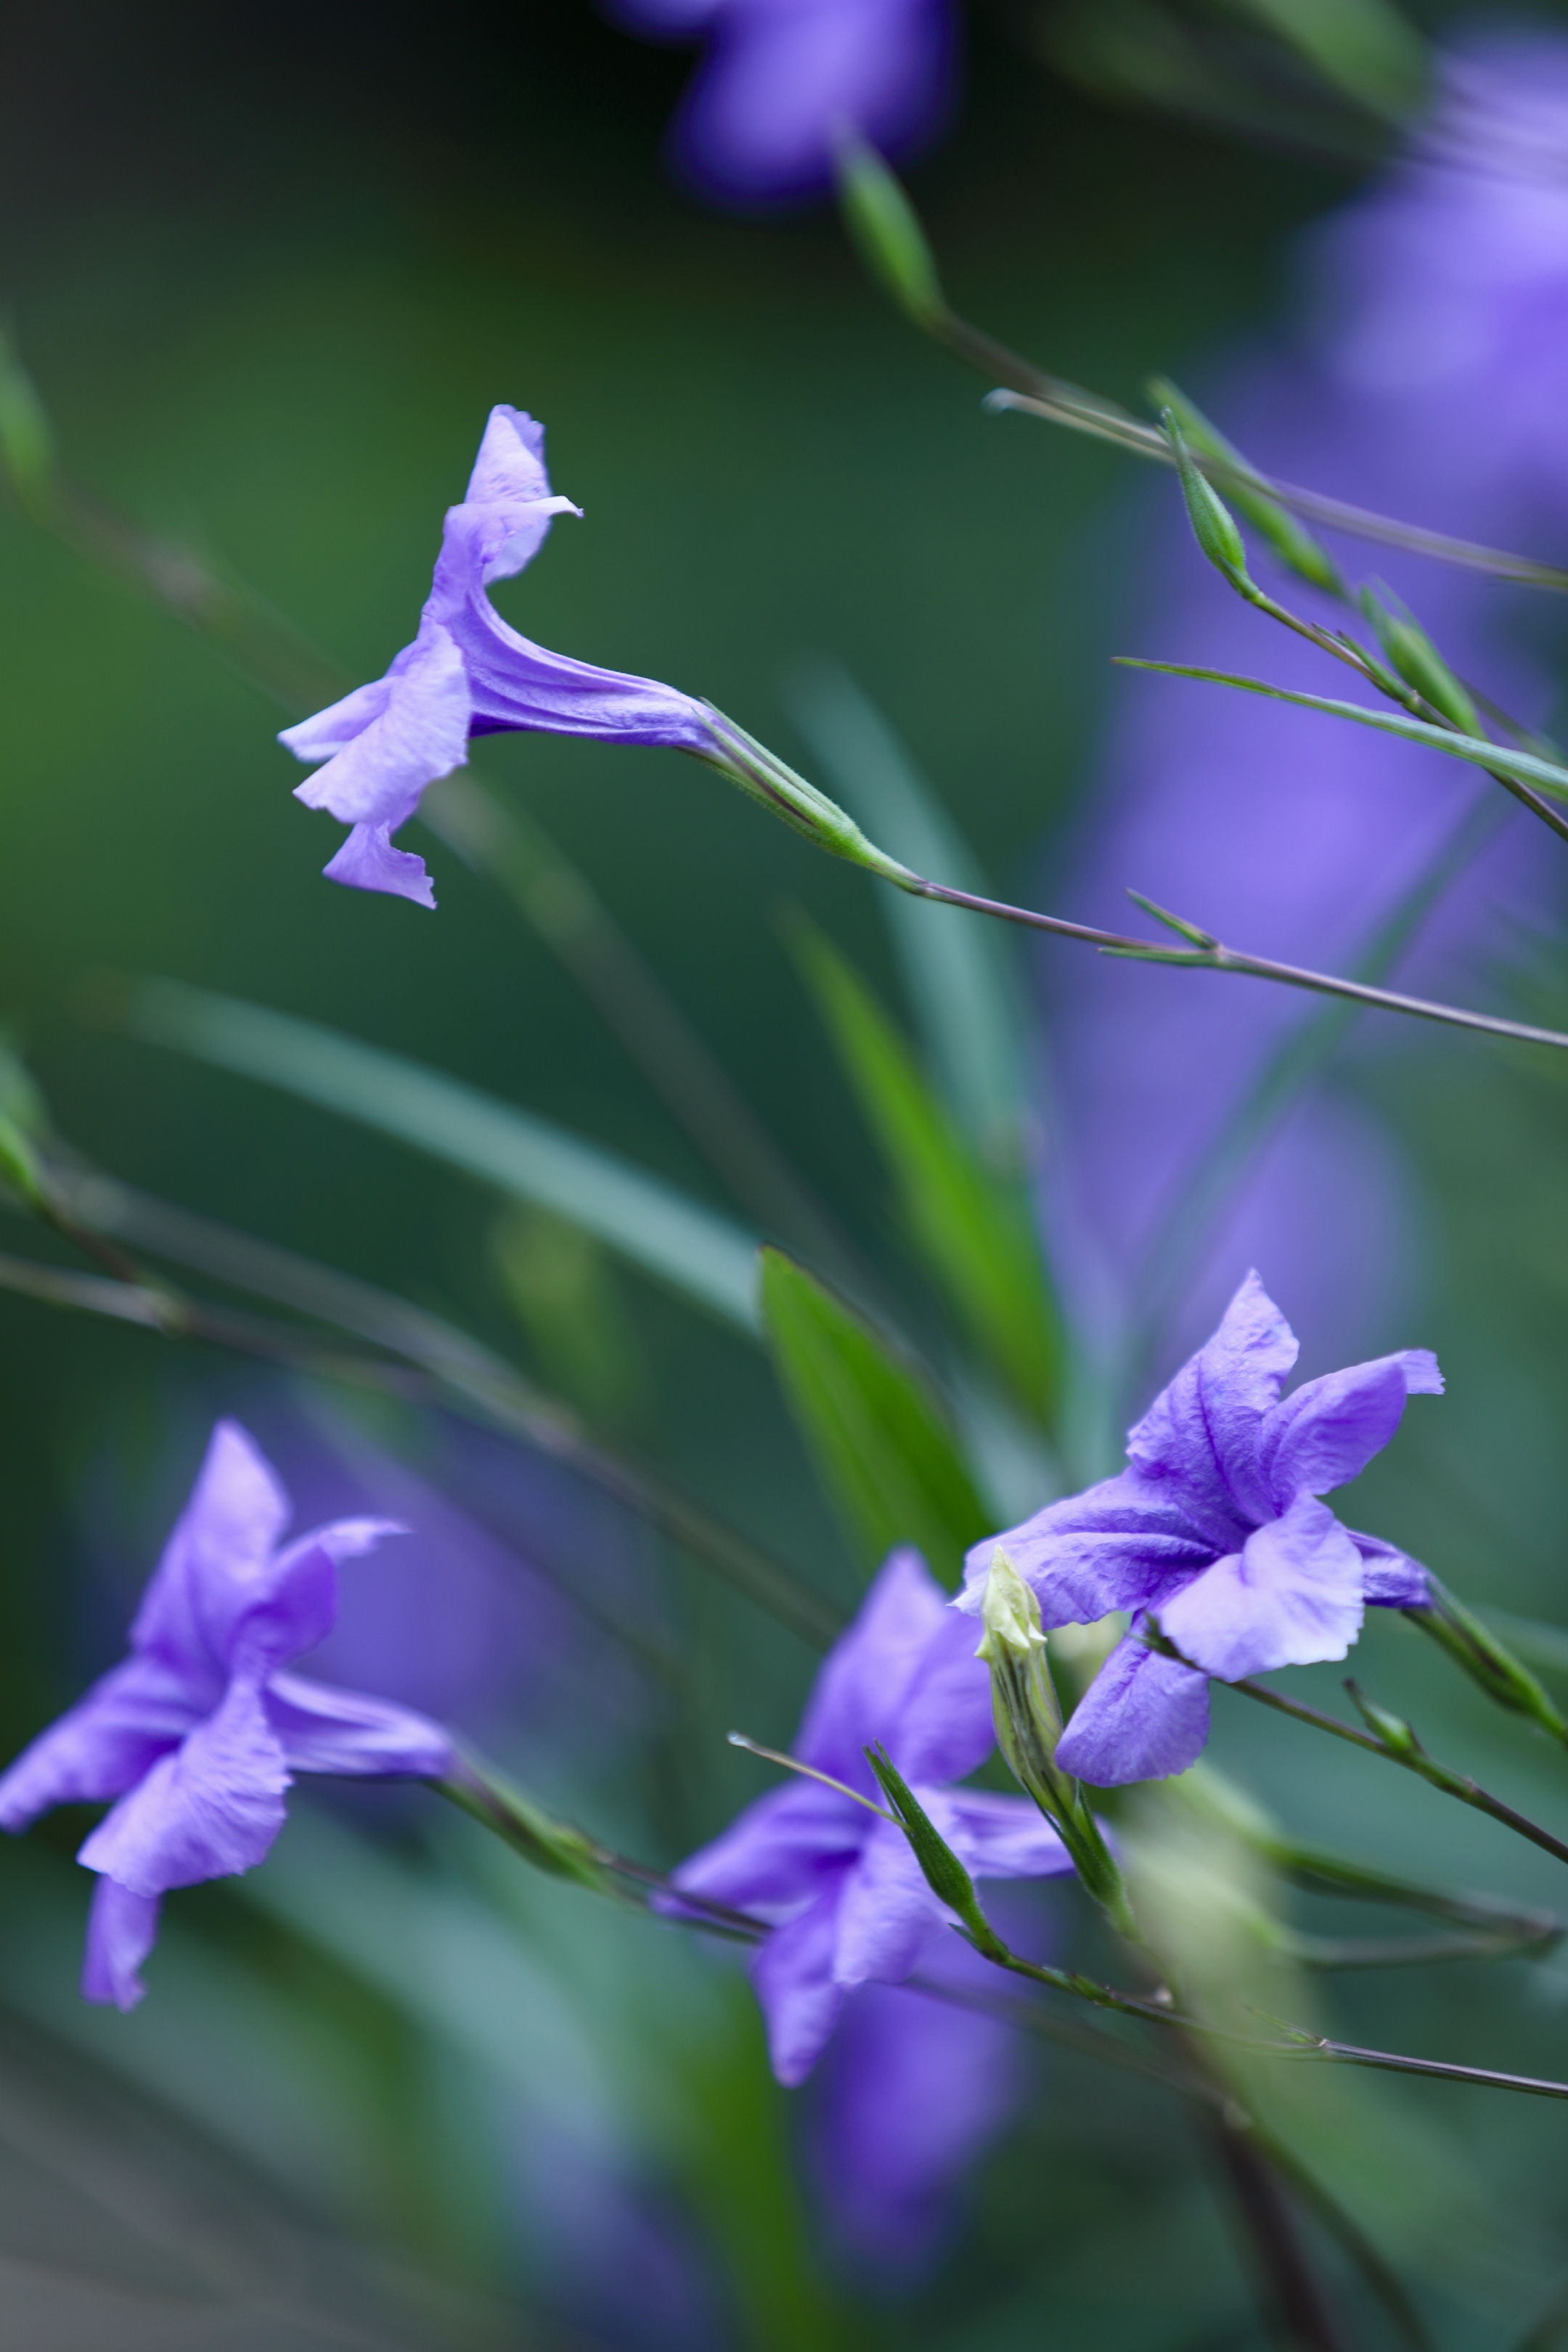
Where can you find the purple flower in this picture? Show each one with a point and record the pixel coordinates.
(466, 673)
(837, 1883)
(197, 1735)
(911, 2094)
(783, 80)
(1216, 1530)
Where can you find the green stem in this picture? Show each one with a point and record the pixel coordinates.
(1399, 1745)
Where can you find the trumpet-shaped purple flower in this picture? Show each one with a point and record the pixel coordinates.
(1216, 1530)
(466, 673)
(783, 80)
(836, 1881)
(195, 1738)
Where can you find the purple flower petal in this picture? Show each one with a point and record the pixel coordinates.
(775, 1856)
(419, 732)
(1203, 1428)
(911, 2094)
(134, 1714)
(1141, 1718)
(510, 482)
(1125, 1544)
(1327, 1431)
(367, 861)
(210, 1810)
(860, 1694)
(218, 1553)
(324, 1730)
(1002, 1837)
(781, 78)
(1390, 1579)
(1291, 1596)
(121, 1929)
(794, 1982)
(886, 1911)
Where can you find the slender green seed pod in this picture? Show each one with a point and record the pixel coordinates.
(886, 229)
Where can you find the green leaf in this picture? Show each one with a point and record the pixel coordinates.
(958, 974)
(693, 1249)
(1523, 766)
(882, 1446)
(972, 1227)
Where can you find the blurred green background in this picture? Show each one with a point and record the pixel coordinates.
(269, 265)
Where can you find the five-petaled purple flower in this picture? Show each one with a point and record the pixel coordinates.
(1217, 1531)
(838, 1885)
(783, 80)
(197, 1735)
(466, 673)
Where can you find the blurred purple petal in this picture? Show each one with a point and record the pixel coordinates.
(324, 1730)
(912, 2093)
(782, 78)
(793, 1977)
(121, 1929)
(209, 1809)
(129, 1718)
(776, 1855)
(1001, 1837)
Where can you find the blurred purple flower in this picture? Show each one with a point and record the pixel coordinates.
(466, 673)
(911, 2094)
(1431, 384)
(836, 1880)
(783, 80)
(195, 1738)
(1216, 1530)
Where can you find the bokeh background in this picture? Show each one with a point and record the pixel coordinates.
(268, 266)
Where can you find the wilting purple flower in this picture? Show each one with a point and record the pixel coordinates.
(1216, 1530)
(838, 1881)
(783, 80)
(1430, 384)
(195, 1738)
(466, 673)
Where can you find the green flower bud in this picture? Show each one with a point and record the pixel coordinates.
(887, 230)
(1291, 541)
(1214, 525)
(1023, 1696)
(1418, 660)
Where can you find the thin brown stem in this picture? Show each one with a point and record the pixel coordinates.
(1030, 389)
(1413, 1759)
(1209, 954)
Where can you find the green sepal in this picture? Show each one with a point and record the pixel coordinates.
(941, 1867)
(552, 1846)
(887, 232)
(1396, 1734)
(1418, 660)
(1292, 543)
(1487, 1660)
